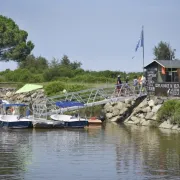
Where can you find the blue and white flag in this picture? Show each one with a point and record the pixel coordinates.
(140, 42)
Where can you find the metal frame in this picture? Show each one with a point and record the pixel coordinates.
(42, 108)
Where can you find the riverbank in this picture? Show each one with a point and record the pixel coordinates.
(139, 114)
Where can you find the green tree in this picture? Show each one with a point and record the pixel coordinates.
(76, 65)
(13, 41)
(34, 64)
(65, 61)
(163, 51)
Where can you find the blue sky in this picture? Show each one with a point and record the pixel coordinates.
(102, 34)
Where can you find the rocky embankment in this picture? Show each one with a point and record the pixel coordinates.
(10, 95)
(142, 114)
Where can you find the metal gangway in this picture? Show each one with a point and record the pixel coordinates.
(43, 108)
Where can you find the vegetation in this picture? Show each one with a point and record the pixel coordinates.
(13, 44)
(170, 110)
(163, 51)
(57, 87)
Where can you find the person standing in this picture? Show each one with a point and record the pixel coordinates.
(135, 83)
(118, 83)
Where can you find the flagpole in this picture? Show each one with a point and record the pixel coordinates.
(143, 46)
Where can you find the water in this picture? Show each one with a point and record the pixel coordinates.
(112, 152)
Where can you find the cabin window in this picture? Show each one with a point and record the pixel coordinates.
(171, 75)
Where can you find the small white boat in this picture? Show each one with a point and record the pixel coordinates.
(11, 118)
(69, 121)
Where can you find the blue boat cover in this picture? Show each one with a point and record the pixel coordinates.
(9, 105)
(64, 104)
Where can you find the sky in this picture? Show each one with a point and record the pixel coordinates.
(101, 34)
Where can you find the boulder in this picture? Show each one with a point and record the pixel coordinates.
(156, 108)
(134, 118)
(146, 123)
(149, 115)
(151, 103)
(114, 119)
(127, 101)
(108, 107)
(175, 127)
(166, 125)
(115, 111)
(144, 103)
(109, 115)
(146, 110)
(120, 105)
(123, 111)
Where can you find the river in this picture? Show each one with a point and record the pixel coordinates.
(111, 152)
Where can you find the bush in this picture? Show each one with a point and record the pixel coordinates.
(53, 88)
(75, 87)
(170, 110)
(57, 87)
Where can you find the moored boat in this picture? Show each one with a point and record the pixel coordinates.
(69, 121)
(11, 117)
(94, 121)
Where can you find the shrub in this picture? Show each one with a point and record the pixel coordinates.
(75, 87)
(170, 110)
(53, 88)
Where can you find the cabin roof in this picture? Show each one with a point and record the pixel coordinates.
(166, 63)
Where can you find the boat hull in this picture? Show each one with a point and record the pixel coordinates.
(16, 124)
(68, 121)
(76, 124)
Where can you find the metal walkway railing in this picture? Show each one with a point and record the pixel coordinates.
(42, 108)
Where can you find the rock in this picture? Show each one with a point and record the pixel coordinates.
(108, 107)
(175, 127)
(132, 103)
(142, 121)
(158, 101)
(146, 123)
(115, 111)
(120, 105)
(109, 115)
(134, 118)
(114, 119)
(130, 122)
(127, 101)
(34, 95)
(154, 117)
(151, 103)
(141, 116)
(146, 110)
(144, 103)
(137, 121)
(8, 94)
(123, 111)
(165, 125)
(156, 108)
(149, 115)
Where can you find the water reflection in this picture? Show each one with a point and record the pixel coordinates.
(110, 152)
(147, 152)
(15, 153)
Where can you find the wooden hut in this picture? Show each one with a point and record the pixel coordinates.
(163, 77)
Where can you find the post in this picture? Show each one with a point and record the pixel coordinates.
(142, 44)
(171, 65)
